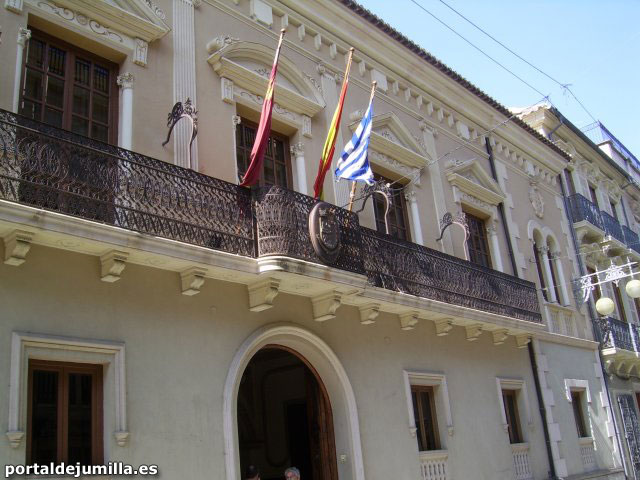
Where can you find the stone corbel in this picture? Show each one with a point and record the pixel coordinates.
(369, 313)
(122, 438)
(408, 321)
(473, 331)
(15, 437)
(227, 90)
(140, 52)
(523, 340)
(16, 246)
(500, 336)
(14, 6)
(262, 294)
(443, 327)
(112, 264)
(325, 305)
(192, 280)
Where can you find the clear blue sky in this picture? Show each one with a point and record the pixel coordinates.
(591, 44)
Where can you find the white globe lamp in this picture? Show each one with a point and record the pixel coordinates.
(633, 288)
(605, 306)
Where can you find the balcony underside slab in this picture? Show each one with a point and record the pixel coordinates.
(624, 363)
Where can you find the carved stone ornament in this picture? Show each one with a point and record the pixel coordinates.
(535, 197)
(325, 232)
(218, 43)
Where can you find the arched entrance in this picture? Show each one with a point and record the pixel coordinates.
(284, 416)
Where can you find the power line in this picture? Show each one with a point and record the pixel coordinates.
(564, 86)
(478, 48)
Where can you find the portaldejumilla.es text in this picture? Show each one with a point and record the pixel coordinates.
(77, 470)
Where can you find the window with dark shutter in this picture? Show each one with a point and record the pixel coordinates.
(397, 218)
(478, 245)
(424, 411)
(276, 167)
(510, 400)
(578, 414)
(64, 413)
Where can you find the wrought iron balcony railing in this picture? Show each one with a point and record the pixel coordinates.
(619, 334)
(583, 209)
(631, 239)
(56, 170)
(612, 226)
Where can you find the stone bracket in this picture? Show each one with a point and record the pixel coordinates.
(500, 336)
(523, 340)
(16, 247)
(15, 437)
(262, 294)
(325, 305)
(192, 279)
(473, 331)
(112, 264)
(122, 438)
(369, 313)
(408, 321)
(443, 327)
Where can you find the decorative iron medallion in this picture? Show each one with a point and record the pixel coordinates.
(324, 231)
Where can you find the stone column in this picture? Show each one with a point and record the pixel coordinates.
(184, 79)
(410, 196)
(435, 178)
(555, 258)
(125, 82)
(492, 231)
(546, 271)
(24, 35)
(297, 151)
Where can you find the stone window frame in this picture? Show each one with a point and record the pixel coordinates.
(522, 399)
(441, 398)
(26, 346)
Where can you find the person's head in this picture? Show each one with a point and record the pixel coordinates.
(252, 473)
(292, 473)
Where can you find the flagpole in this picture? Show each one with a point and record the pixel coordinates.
(352, 195)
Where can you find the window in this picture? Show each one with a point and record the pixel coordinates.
(570, 184)
(543, 286)
(617, 295)
(477, 244)
(614, 212)
(425, 417)
(510, 402)
(64, 413)
(578, 414)
(69, 88)
(397, 218)
(593, 196)
(554, 275)
(597, 293)
(276, 167)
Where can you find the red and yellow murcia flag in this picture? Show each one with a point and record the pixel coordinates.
(252, 174)
(330, 142)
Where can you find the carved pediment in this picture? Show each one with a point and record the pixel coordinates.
(471, 178)
(141, 19)
(391, 138)
(248, 65)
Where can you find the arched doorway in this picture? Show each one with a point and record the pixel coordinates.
(284, 417)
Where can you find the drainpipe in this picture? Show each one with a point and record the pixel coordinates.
(594, 324)
(550, 135)
(532, 354)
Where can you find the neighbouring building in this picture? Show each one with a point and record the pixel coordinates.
(154, 312)
(602, 199)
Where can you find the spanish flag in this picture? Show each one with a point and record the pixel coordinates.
(252, 174)
(330, 143)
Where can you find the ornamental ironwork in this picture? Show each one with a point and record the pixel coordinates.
(324, 231)
(178, 112)
(381, 188)
(57, 170)
(448, 219)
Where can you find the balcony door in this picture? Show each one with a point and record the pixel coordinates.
(276, 167)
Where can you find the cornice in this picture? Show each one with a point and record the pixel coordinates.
(148, 26)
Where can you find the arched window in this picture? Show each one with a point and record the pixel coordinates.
(555, 270)
(537, 255)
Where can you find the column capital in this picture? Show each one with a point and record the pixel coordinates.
(297, 149)
(410, 195)
(236, 120)
(24, 34)
(125, 80)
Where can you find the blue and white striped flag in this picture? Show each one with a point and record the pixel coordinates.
(354, 161)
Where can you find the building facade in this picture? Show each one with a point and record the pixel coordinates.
(158, 313)
(601, 185)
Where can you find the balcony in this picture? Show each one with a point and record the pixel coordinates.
(593, 225)
(620, 346)
(58, 171)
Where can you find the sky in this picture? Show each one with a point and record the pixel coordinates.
(593, 45)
